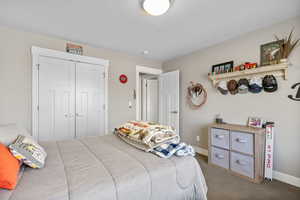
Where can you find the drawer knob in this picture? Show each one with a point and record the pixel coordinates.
(240, 162)
(219, 156)
(241, 140)
(220, 136)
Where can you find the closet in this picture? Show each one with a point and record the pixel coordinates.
(69, 96)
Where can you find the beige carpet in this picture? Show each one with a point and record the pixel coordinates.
(224, 186)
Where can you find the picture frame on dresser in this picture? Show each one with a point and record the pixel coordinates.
(255, 122)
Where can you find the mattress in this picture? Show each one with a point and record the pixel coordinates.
(106, 168)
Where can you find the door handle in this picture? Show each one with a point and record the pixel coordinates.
(241, 140)
(78, 115)
(174, 112)
(240, 162)
(219, 156)
(220, 136)
(68, 115)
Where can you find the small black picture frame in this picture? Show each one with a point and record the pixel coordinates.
(222, 67)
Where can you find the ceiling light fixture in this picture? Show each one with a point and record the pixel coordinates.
(156, 7)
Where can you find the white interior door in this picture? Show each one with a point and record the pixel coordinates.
(152, 100)
(149, 100)
(144, 99)
(169, 99)
(90, 100)
(56, 99)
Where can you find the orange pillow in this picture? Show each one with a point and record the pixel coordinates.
(9, 169)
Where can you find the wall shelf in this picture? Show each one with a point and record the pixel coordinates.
(279, 70)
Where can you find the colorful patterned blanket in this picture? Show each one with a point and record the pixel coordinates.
(151, 137)
(167, 150)
(147, 134)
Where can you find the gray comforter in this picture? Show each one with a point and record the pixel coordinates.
(106, 168)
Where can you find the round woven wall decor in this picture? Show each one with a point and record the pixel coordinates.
(196, 95)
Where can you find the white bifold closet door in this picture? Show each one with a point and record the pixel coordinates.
(71, 99)
(56, 99)
(90, 115)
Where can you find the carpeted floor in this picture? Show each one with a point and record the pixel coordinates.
(225, 186)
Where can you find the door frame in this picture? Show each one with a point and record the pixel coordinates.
(36, 52)
(139, 70)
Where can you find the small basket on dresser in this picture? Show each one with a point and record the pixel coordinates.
(239, 149)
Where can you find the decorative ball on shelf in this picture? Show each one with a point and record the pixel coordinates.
(123, 78)
(196, 95)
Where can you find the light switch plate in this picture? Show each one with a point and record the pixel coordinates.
(129, 104)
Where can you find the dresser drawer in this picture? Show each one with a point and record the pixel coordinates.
(242, 142)
(242, 164)
(220, 138)
(220, 157)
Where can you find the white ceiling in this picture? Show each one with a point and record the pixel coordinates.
(121, 24)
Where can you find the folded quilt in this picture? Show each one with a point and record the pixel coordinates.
(135, 143)
(187, 150)
(147, 134)
(151, 137)
(169, 149)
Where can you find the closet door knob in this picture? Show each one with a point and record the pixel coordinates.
(78, 115)
(68, 115)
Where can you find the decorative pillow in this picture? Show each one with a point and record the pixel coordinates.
(28, 151)
(9, 169)
(10, 132)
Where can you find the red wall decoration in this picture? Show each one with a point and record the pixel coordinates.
(123, 78)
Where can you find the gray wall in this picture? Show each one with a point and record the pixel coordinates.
(15, 76)
(236, 109)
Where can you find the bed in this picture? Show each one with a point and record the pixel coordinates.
(106, 168)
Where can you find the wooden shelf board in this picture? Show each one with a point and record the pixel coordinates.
(279, 70)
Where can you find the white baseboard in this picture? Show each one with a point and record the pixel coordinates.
(286, 178)
(201, 151)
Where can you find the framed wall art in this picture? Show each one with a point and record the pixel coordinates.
(222, 68)
(74, 49)
(270, 53)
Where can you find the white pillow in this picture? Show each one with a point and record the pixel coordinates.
(10, 132)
